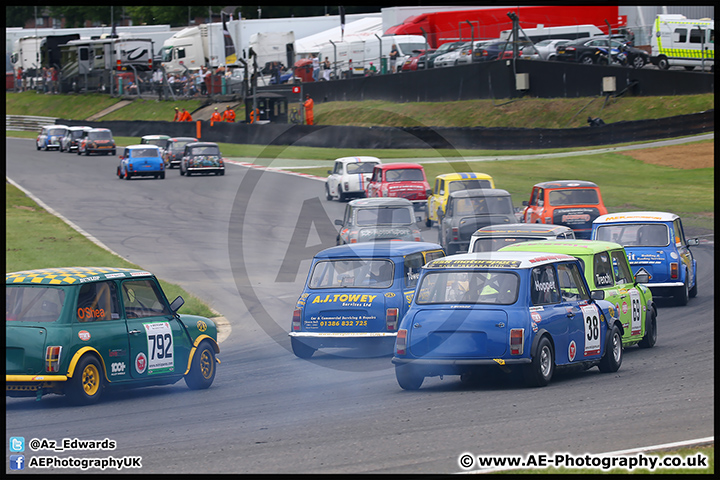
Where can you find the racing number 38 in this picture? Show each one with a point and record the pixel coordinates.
(592, 330)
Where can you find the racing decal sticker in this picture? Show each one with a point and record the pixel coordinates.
(572, 350)
(140, 363)
(202, 326)
(591, 321)
(389, 295)
(535, 317)
(160, 347)
(84, 335)
(636, 315)
(347, 300)
(117, 368)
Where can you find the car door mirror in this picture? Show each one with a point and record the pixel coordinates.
(642, 278)
(597, 295)
(525, 203)
(330, 172)
(176, 304)
(338, 222)
(693, 242)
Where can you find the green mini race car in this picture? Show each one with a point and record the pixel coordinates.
(610, 278)
(76, 331)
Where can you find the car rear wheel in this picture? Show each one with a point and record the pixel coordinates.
(650, 337)
(612, 359)
(693, 290)
(586, 60)
(541, 369)
(300, 349)
(682, 293)
(86, 385)
(128, 175)
(202, 369)
(408, 378)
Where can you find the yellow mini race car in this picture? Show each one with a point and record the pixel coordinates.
(452, 182)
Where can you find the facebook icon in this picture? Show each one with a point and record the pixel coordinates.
(17, 462)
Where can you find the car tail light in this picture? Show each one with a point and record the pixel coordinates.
(347, 186)
(297, 320)
(517, 337)
(673, 270)
(401, 342)
(52, 359)
(569, 49)
(455, 233)
(130, 167)
(391, 318)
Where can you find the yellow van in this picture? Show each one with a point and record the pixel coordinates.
(447, 183)
(680, 41)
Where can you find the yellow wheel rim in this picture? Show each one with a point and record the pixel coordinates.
(206, 364)
(91, 380)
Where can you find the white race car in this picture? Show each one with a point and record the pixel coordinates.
(349, 177)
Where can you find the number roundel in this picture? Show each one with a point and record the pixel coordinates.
(591, 321)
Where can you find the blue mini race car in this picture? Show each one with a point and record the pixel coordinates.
(355, 295)
(525, 311)
(656, 245)
(141, 161)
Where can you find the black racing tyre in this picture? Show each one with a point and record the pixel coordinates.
(327, 192)
(202, 368)
(119, 173)
(693, 291)
(86, 385)
(541, 369)
(408, 377)
(650, 337)
(300, 349)
(682, 294)
(612, 358)
(128, 175)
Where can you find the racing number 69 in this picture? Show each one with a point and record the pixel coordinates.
(162, 344)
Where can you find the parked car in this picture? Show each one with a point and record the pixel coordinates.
(519, 311)
(84, 330)
(450, 58)
(202, 157)
(610, 278)
(488, 51)
(355, 295)
(160, 140)
(174, 151)
(370, 219)
(656, 245)
(468, 210)
(593, 50)
(404, 180)
(97, 140)
(507, 50)
(452, 182)
(443, 49)
(415, 62)
(544, 49)
(573, 203)
(493, 237)
(50, 137)
(73, 137)
(141, 161)
(349, 177)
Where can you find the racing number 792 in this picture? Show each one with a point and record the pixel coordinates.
(161, 346)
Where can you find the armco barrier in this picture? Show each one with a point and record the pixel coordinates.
(419, 137)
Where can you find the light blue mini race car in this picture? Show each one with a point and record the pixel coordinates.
(656, 245)
(355, 295)
(141, 161)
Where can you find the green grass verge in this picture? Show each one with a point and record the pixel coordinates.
(34, 238)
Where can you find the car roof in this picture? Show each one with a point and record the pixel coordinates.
(152, 137)
(100, 130)
(201, 144)
(391, 166)
(568, 247)
(526, 229)
(144, 145)
(480, 192)
(70, 275)
(358, 159)
(498, 259)
(183, 139)
(381, 201)
(565, 184)
(623, 217)
(381, 248)
(77, 127)
(449, 177)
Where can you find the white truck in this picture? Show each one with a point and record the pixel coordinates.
(363, 51)
(679, 41)
(193, 47)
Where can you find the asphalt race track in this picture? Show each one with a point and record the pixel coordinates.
(243, 242)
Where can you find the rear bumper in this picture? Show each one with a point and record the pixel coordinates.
(29, 385)
(460, 361)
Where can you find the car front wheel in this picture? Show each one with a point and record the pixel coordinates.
(86, 385)
(638, 62)
(202, 369)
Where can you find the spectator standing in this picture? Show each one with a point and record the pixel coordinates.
(394, 54)
(229, 115)
(203, 75)
(157, 80)
(177, 115)
(309, 104)
(54, 79)
(20, 80)
(185, 116)
(326, 69)
(316, 67)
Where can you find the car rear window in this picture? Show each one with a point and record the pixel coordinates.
(56, 131)
(100, 135)
(27, 303)
(635, 234)
(457, 185)
(361, 167)
(144, 152)
(384, 216)
(573, 196)
(493, 244)
(210, 150)
(374, 273)
(404, 175)
(476, 286)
